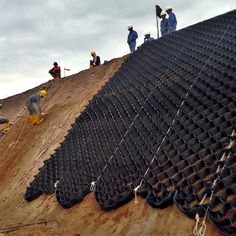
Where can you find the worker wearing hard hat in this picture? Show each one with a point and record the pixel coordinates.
(96, 60)
(147, 37)
(172, 22)
(132, 36)
(164, 23)
(33, 104)
(4, 122)
(55, 72)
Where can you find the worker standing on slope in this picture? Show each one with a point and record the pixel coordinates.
(55, 72)
(147, 37)
(164, 23)
(3, 121)
(96, 60)
(133, 35)
(172, 22)
(33, 104)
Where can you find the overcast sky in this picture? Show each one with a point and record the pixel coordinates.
(34, 34)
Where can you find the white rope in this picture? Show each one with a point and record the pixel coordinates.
(18, 139)
(223, 157)
(55, 185)
(135, 192)
(195, 230)
(93, 186)
(203, 199)
(13, 123)
(202, 230)
(231, 140)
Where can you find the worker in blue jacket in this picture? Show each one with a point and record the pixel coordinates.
(164, 23)
(147, 37)
(172, 22)
(133, 35)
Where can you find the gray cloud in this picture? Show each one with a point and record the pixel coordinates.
(33, 35)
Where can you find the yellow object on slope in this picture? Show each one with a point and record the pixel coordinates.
(5, 128)
(36, 119)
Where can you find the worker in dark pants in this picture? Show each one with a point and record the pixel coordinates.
(4, 122)
(131, 40)
(55, 72)
(96, 60)
(147, 37)
(33, 104)
(172, 22)
(164, 24)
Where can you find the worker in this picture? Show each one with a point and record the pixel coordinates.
(33, 104)
(172, 22)
(4, 122)
(133, 35)
(96, 60)
(164, 23)
(55, 72)
(147, 37)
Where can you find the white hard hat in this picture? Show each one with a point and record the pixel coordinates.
(147, 33)
(163, 13)
(130, 26)
(168, 8)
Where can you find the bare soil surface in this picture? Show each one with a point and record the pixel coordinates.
(25, 147)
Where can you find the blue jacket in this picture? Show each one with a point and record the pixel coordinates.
(148, 40)
(133, 35)
(164, 27)
(172, 22)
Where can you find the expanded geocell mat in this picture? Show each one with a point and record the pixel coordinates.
(164, 123)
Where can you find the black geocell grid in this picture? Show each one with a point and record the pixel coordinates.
(187, 77)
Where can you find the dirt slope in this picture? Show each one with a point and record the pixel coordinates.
(25, 147)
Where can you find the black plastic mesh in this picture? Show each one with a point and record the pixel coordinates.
(164, 120)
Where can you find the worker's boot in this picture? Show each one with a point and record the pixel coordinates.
(31, 119)
(39, 119)
(36, 119)
(5, 128)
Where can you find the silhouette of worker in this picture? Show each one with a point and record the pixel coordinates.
(55, 72)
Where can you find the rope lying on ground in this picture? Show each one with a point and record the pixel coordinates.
(16, 142)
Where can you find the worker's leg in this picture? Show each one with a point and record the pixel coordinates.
(31, 109)
(171, 29)
(53, 74)
(91, 64)
(33, 112)
(132, 46)
(37, 116)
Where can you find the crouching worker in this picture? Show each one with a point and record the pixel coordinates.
(55, 72)
(5, 125)
(33, 104)
(96, 60)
